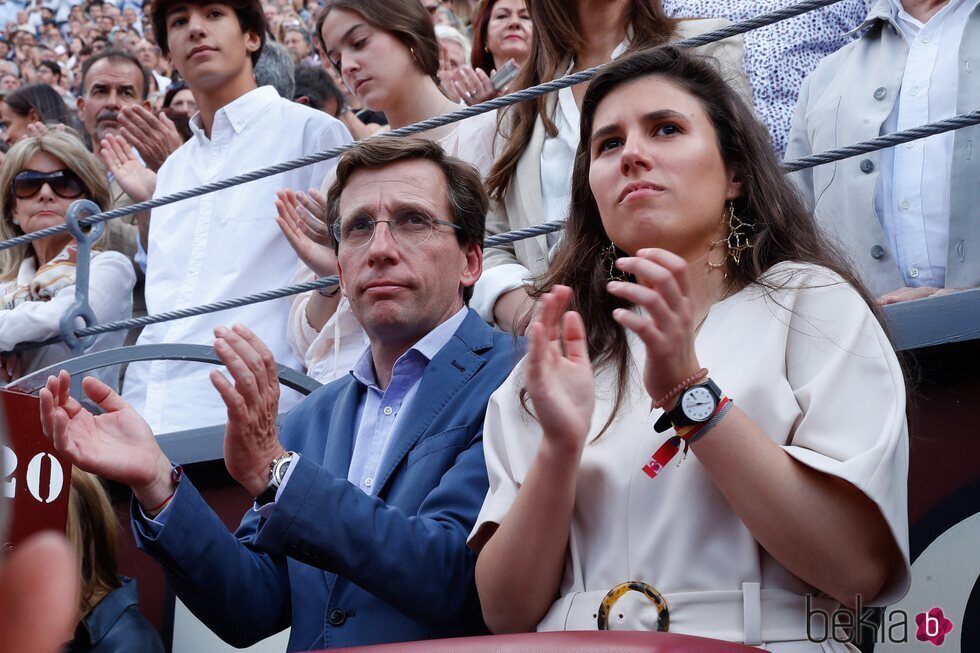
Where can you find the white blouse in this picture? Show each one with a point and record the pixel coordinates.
(111, 284)
(812, 367)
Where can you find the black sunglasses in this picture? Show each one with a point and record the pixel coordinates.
(64, 183)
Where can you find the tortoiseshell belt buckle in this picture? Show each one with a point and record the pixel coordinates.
(655, 597)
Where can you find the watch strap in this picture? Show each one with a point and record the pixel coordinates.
(277, 472)
(675, 417)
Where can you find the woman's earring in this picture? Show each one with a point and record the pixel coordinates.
(736, 242)
(610, 254)
(739, 233)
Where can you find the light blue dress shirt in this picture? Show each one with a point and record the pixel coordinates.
(381, 410)
(378, 416)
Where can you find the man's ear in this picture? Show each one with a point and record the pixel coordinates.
(252, 42)
(473, 265)
(302, 99)
(80, 103)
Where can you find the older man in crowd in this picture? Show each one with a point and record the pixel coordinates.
(110, 81)
(365, 498)
(906, 216)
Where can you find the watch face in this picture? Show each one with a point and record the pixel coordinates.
(698, 404)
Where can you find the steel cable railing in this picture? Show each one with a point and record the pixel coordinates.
(888, 140)
(431, 123)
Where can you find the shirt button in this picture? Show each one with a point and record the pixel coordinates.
(905, 204)
(387, 410)
(877, 252)
(368, 482)
(336, 617)
(910, 145)
(867, 166)
(914, 90)
(926, 38)
(880, 93)
(913, 272)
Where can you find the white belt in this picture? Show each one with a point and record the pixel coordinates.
(750, 615)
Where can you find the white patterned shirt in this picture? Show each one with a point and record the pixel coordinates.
(780, 56)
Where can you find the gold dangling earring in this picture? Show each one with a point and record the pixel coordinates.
(610, 255)
(712, 244)
(739, 233)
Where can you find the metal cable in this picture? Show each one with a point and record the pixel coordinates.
(888, 140)
(223, 305)
(425, 125)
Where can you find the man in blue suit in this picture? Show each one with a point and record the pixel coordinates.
(365, 497)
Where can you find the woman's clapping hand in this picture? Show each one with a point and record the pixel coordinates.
(301, 221)
(560, 379)
(666, 326)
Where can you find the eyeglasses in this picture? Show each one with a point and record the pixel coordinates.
(63, 183)
(410, 230)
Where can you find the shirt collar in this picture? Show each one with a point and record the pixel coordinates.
(239, 111)
(888, 11)
(105, 613)
(430, 345)
(882, 10)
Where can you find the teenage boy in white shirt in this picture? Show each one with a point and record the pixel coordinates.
(226, 244)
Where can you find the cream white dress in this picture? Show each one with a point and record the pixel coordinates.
(810, 364)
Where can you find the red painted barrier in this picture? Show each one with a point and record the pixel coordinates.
(33, 476)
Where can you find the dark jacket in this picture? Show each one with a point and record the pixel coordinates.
(342, 567)
(115, 625)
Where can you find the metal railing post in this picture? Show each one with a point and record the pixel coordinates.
(84, 237)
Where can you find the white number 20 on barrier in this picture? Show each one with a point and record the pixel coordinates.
(56, 479)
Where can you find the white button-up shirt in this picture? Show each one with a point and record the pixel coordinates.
(913, 190)
(223, 245)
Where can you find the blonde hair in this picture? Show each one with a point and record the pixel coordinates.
(93, 533)
(68, 148)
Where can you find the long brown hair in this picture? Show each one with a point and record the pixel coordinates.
(480, 57)
(93, 532)
(782, 228)
(406, 20)
(557, 36)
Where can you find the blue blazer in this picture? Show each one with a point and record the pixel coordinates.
(341, 567)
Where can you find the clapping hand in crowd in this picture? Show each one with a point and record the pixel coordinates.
(154, 137)
(36, 129)
(119, 445)
(134, 177)
(666, 326)
(560, 380)
(473, 86)
(302, 220)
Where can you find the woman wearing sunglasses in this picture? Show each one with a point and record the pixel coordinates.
(41, 177)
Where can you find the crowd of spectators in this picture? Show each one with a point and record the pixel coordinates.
(123, 102)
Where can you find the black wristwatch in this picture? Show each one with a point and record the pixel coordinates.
(696, 406)
(277, 472)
